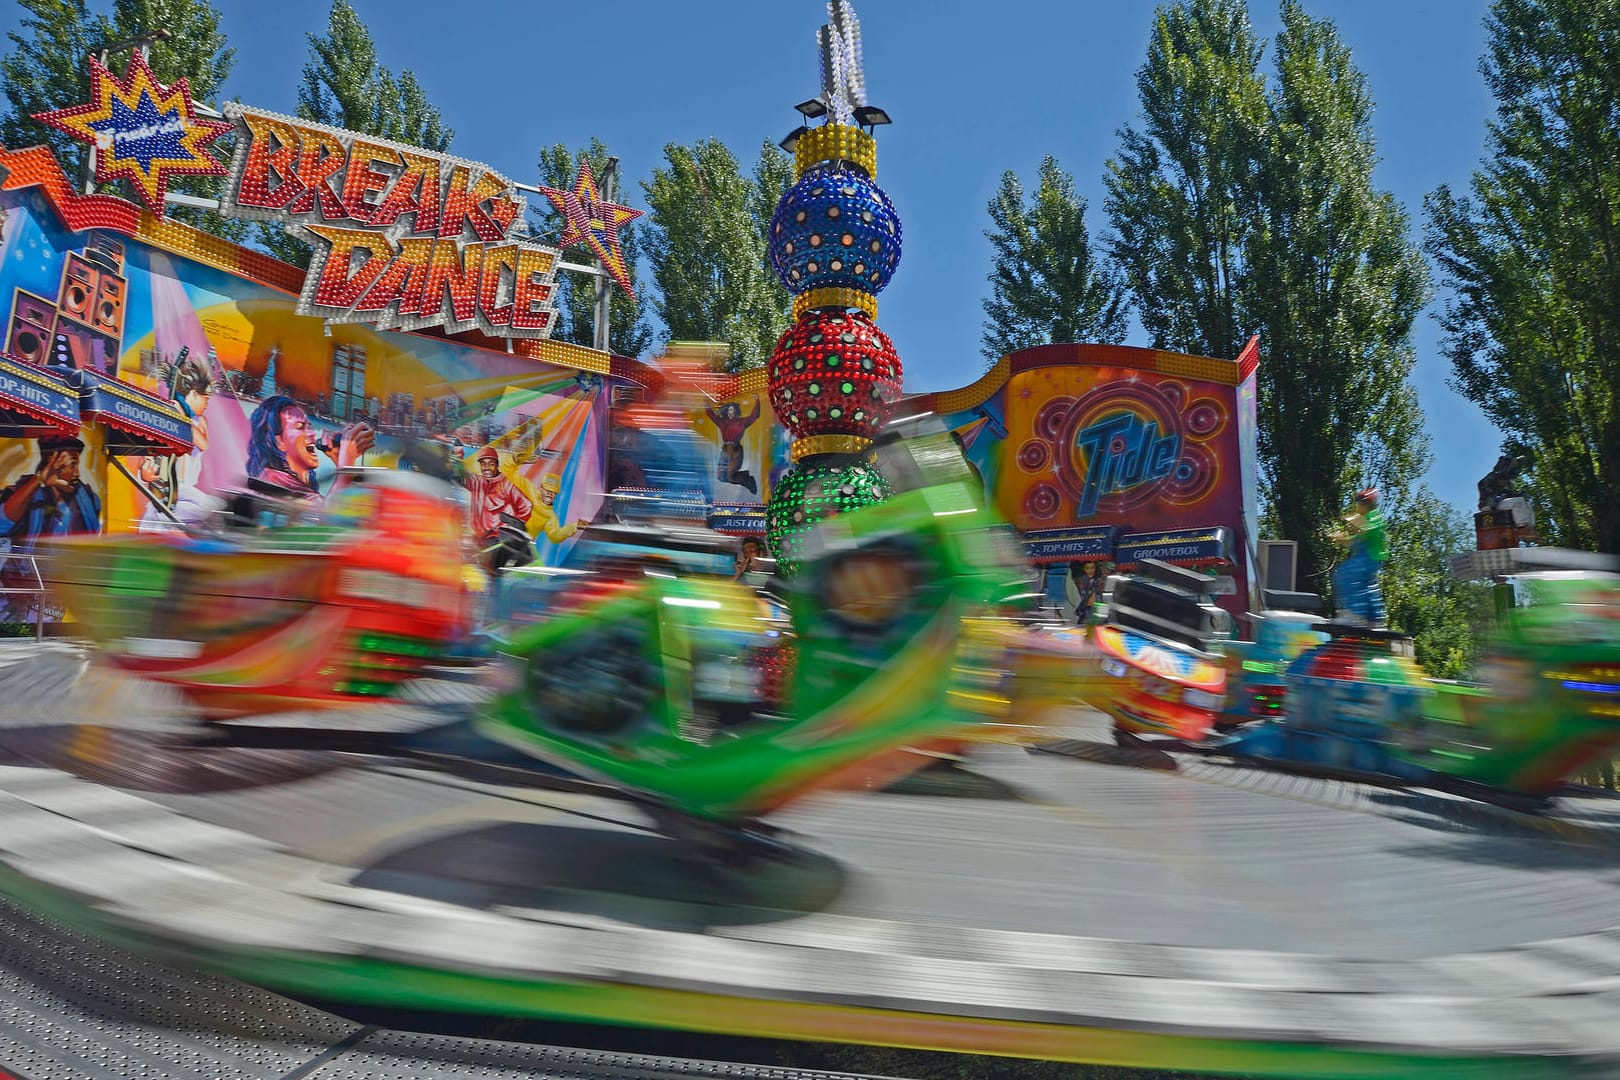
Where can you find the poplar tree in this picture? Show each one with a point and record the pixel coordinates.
(1532, 260)
(706, 246)
(344, 85)
(1238, 210)
(1335, 288)
(628, 331)
(1183, 195)
(773, 176)
(48, 67)
(1046, 283)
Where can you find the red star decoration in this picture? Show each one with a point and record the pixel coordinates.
(594, 223)
(145, 132)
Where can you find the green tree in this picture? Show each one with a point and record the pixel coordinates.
(1239, 209)
(345, 86)
(1336, 287)
(1046, 283)
(706, 245)
(628, 332)
(1444, 616)
(1532, 260)
(1182, 194)
(773, 176)
(195, 48)
(48, 68)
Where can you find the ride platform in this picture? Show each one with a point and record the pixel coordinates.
(1214, 918)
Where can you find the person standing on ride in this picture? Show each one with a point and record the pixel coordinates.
(1085, 587)
(1355, 582)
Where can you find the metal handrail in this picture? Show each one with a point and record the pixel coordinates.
(36, 590)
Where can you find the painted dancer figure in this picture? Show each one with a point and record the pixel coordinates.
(51, 501)
(546, 519)
(500, 514)
(732, 424)
(1355, 582)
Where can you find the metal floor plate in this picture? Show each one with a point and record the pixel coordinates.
(77, 1008)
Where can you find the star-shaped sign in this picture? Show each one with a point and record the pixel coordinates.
(594, 223)
(143, 131)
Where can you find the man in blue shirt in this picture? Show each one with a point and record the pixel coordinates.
(50, 501)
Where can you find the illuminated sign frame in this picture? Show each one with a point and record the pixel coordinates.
(143, 131)
(402, 237)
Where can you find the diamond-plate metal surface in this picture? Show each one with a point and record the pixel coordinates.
(72, 1008)
(394, 1055)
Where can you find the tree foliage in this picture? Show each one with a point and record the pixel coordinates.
(1532, 260)
(1445, 616)
(1046, 283)
(1182, 194)
(773, 176)
(1240, 209)
(706, 245)
(48, 68)
(1336, 289)
(344, 85)
(628, 332)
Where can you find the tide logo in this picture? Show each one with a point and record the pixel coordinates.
(1123, 451)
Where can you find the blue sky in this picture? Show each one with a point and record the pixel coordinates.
(974, 89)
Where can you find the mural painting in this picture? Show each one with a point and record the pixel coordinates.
(272, 398)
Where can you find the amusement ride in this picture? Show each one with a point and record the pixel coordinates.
(783, 707)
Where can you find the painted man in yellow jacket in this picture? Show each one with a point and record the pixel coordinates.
(544, 518)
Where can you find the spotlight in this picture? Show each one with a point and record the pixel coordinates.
(871, 116)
